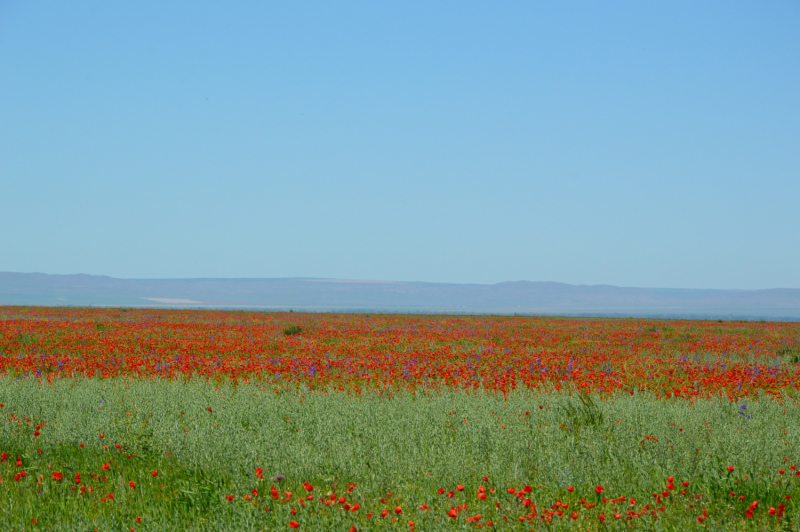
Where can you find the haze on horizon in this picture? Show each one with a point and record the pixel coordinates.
(626, 144)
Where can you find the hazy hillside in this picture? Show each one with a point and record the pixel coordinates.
(334, 294)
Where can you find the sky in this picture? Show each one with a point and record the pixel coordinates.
(652, 144)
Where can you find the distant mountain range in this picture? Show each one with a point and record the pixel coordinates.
(522, 297)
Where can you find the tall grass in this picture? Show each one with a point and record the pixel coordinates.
(206, 441)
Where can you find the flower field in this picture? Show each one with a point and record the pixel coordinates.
(126, 419)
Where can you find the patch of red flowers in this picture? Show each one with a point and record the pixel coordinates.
(728, 359)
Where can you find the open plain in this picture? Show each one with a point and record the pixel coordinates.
(133, 419)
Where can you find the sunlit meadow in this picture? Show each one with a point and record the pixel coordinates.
(124, 419)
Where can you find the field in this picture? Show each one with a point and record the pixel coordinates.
(124, 419)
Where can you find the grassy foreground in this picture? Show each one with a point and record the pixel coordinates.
(364, 456)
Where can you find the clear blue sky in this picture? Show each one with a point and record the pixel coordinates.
(647, 144)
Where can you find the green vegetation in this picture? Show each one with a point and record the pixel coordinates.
(205, 443)
(291, 330)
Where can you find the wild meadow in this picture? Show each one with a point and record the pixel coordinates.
(126, 419)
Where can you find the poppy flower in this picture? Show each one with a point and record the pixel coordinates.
(293, 524)
(599, 489)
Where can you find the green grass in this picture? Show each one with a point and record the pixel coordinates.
(407, 445)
